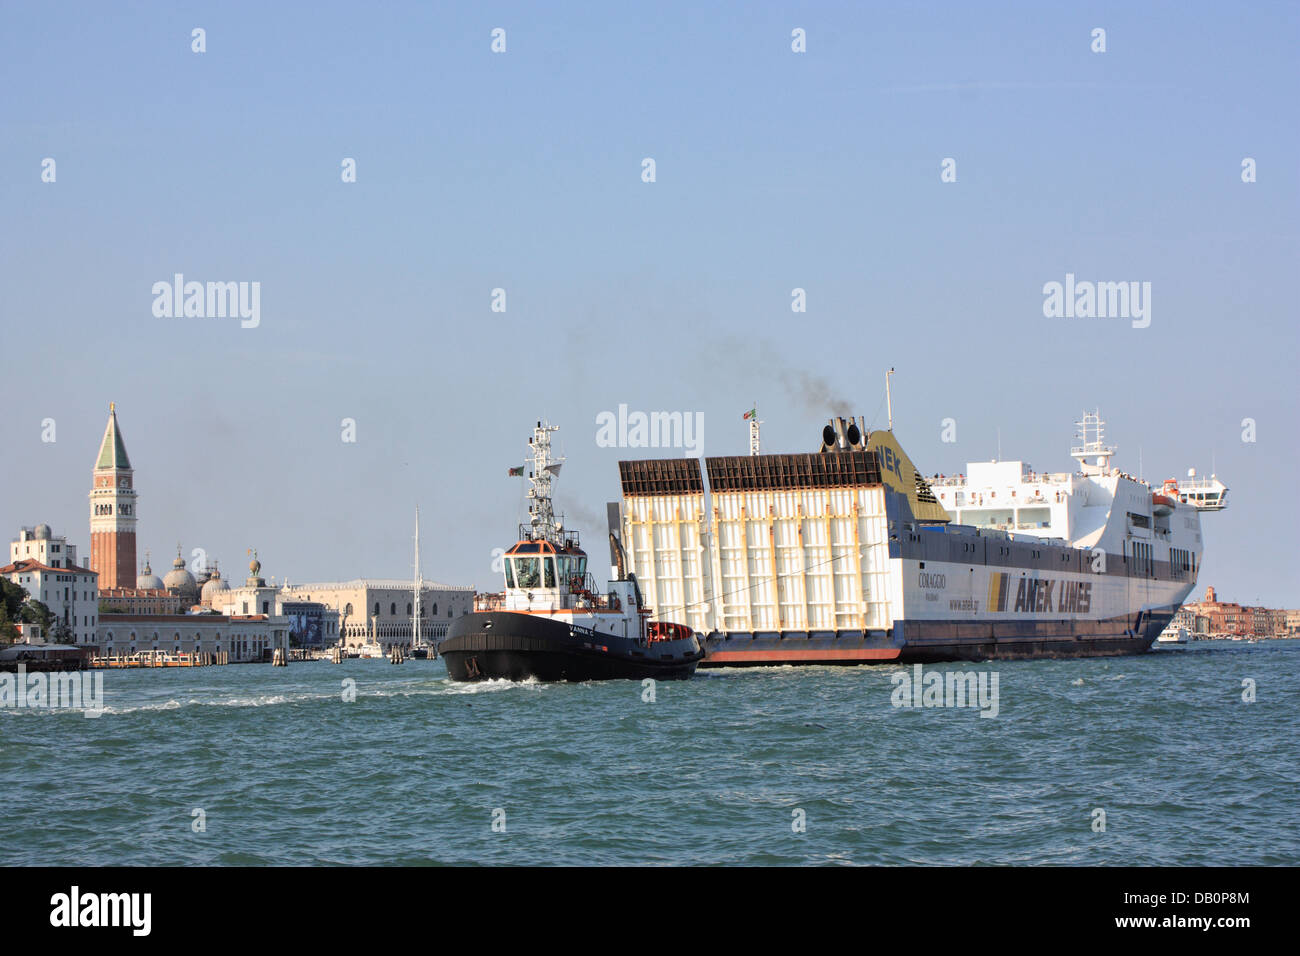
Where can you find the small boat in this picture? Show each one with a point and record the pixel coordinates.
(552, 622)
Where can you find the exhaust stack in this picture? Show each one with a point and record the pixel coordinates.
(844, 434)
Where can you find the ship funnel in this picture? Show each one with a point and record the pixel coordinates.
(843, 434)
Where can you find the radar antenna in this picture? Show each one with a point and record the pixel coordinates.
(1091, 434)
(541, 511)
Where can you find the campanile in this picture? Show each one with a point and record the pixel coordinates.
(112, 511)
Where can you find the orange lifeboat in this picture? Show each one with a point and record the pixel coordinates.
(1164, 500)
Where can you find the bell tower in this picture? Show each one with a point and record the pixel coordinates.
(112, 511)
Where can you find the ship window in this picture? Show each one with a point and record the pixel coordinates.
(550, 572)
(528, 572)
(510, 579)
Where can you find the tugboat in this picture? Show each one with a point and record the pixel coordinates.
(552, 623)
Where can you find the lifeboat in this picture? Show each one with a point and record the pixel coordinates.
(1162, 505)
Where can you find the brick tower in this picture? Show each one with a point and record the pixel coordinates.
(112, 512)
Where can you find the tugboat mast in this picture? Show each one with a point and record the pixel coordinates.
(541, 511)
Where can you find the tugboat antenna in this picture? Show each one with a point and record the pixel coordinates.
(541, 511)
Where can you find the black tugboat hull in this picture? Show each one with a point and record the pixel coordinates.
(503, 645)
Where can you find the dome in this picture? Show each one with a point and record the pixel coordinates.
(43, 532)
(214, 586)
(148, 580)
(179, 579)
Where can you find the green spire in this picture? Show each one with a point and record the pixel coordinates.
(112, 452)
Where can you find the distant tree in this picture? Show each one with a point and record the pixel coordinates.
(12, 606)
(106, 608)
(61, 633)
(34, 612)
(12, 597)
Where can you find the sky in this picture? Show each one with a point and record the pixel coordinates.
(522, 170)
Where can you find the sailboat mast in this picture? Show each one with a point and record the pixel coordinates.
(416, 640)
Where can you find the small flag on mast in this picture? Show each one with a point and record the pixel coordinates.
(517, 471)
(752, 413)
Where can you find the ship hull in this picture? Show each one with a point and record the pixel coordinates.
(939, 641)
(504, 645)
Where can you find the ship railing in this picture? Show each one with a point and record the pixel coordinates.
(489, 602)
(583, 593)
(564, 537)
(587, 593)
(1033, 477)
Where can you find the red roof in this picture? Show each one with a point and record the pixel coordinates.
(30, 564)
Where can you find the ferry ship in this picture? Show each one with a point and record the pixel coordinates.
(850, 555)
(552, 622)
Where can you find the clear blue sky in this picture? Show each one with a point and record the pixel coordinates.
(522, 170)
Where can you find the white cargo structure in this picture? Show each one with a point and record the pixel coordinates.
(847, 555)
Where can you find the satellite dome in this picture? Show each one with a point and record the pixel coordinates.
(43, 532)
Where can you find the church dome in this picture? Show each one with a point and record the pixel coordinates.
(180, 580)
(214, 587)
(148, 580)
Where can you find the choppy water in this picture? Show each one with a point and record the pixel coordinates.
(712, 771)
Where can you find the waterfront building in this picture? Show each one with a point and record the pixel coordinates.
(1292, 622)
(241, 637)
(382, 611)
(139, 601)
(311, 623)
(245, 623)
(1235, 621)
(41, 545)
(254, 596)
(45, 566)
